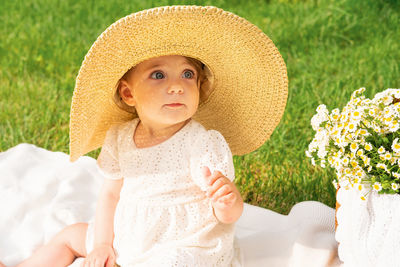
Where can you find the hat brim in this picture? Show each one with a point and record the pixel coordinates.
(250, 80)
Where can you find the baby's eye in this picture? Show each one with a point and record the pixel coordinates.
(188, 74)
(157, 75)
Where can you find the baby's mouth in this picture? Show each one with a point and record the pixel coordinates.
(174, 105)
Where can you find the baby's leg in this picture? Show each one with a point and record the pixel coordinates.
(62, 249)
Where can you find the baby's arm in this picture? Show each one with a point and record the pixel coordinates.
(104, 222)
(225, 197)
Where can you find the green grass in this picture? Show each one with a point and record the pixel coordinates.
(330, 47)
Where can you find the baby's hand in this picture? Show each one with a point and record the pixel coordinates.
(221, 190)
(101, 256)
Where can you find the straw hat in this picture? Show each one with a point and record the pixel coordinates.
(249, 83)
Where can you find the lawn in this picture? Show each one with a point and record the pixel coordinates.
(331, 48)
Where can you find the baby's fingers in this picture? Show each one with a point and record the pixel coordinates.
(229, 198)
(86, 263)
(89, 262)
(222, 191)
(93, 262)
(99, 263)
(215, 176)
(110, 262)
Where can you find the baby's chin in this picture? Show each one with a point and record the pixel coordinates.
(172, 118)
(175, 114)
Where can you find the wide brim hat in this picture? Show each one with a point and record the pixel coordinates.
(249, 77)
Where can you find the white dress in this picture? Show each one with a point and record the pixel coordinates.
(163, 217)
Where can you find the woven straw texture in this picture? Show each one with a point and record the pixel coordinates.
(250, 84)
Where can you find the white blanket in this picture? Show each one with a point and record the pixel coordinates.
(41, 192)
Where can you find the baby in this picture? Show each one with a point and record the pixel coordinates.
(168, 197)
(151, 208)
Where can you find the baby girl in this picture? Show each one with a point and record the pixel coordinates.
(168, 94)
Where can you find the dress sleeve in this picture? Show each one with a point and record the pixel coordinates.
(211, 150)
(107, 161)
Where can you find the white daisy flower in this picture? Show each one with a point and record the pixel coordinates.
(316, 121)
(357, 92)
(356, 114)
(368, 146)
(323, 163)
(395, 186)
(353, 163)
(361, 173)
(367, 161)
(360, 187)
(322, 152)
(394, 127)
(343, 117)
(397, 93)
(377, 186)
(371, 112)
(353, 147)
(351, 127)
(381, 166)
(376, 128)
(334, 117)
(364, 158)
(387, 100)
(337, 164)
(388, 112)
(381, 150)
(396, 175)
(334, 132)
(322, 109)
(363, 132)
(387, 156)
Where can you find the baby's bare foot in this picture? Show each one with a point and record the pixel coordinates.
(2, 265)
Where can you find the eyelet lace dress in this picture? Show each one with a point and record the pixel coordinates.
(163, 217)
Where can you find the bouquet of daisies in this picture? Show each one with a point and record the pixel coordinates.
(361, 142)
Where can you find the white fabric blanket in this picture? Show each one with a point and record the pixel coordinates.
(41, 192)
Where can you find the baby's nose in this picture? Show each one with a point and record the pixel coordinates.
(175, 88)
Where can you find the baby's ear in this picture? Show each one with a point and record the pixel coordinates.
(126, 93)
(198, 83)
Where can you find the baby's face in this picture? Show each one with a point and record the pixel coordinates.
(164, 90)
